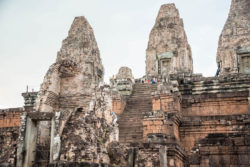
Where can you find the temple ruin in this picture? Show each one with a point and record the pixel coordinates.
(170, 117)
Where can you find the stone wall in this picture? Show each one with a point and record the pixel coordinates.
(9, 127)
(79, 164)
(147, 155)
(155, 124)
(207, 117)
(118, 105)
(227, 95)
(218, 104)
(10, 117)
(88, 133)
(216, 140)
(8, 145)
(215, 119)
(166, 103)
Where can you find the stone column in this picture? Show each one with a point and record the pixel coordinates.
(30, 142)
(20, 145)
(131, 157)
(55, 142)
(163, 156)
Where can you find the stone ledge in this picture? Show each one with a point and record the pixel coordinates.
(41, 116)
(78, 164)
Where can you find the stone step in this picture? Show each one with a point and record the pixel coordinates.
(143, 90)
(137, 100)
(130, 140)
(133, 132)
(129, 134)
(130, 121)
(136, 109)
(132, 115)
(125, 131)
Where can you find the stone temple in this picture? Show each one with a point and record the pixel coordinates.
(181, 120)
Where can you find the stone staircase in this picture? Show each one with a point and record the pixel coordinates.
(130, 122)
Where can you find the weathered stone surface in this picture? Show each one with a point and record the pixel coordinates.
(119, 154)
(168, 49)
(9, 125)
(125, 73)
(78, 69)
(87, 134)
(131, 120)
(10, 117)
(79, 164)
(8, 143)
(70, 82)
(217, 140)
(234, 38)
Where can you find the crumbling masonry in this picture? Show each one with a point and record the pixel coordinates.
(182, 120)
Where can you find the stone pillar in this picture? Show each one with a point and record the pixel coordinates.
(249, 97)
(21, 138)
(163, 156)
(131, 157)
(30, 142)
(55, 142)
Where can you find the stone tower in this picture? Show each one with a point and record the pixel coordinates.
(78, 69)
(168, 50)
(233, 54)
(70, 82)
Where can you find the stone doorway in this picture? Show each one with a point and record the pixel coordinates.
(165, 66)
(244, 60)
(165, 63)
(245, 64)
(28, 150)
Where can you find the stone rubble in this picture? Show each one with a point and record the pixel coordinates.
(88, 133)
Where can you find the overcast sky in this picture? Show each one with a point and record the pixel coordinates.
(31, 32)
